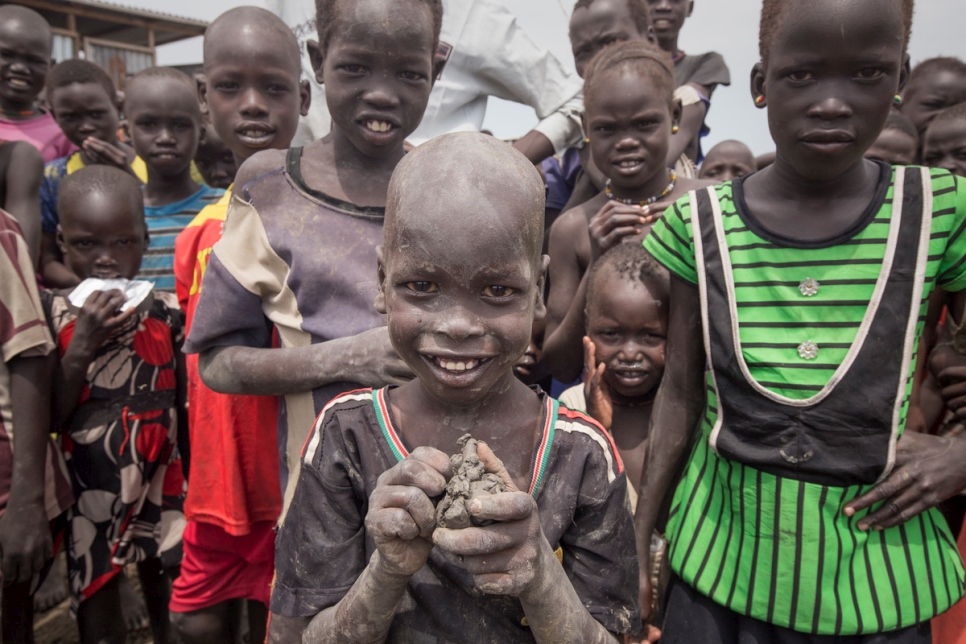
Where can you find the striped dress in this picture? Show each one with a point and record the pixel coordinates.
(758, 526)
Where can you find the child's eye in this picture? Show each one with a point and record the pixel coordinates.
(353, 69)
(124, 242)
(422, 287)
(870, 73)
(412, 76)
(278, 89)
(226, 86)
(800, 75)
(498, 291)
(97, 115)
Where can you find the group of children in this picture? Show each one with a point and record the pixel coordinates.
(738, 343)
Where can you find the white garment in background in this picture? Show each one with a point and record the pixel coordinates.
(492, 56)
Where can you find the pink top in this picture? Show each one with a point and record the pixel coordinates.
(41, 132)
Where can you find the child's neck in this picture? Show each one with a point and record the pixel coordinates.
(161, 191)
(19, 111)
(656, 186)
(670, 45)
(785, 183)
(341, 170)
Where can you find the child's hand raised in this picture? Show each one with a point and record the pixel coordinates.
(504, 557)
(613, 223)
(99, 318)
(596, 391)
(402, 515)
(104, 153)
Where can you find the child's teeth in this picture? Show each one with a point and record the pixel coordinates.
(378, 126)
(449, 365)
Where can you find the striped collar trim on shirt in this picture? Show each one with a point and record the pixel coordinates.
(541, 458)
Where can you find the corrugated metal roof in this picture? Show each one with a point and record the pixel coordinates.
(144, 13)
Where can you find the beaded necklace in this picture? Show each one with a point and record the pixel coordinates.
(31, 112)
(649, 200)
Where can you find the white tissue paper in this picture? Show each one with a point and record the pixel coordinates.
(134, 290)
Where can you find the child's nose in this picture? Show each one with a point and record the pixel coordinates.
(459, 324)
(253, 103)
(831, 108)
(379, 96)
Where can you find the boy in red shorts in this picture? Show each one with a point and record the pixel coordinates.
(234, 497)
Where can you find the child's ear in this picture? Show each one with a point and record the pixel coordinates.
(305, 97)
(381, 293)
(438, 65)
(677, 109)
(904, 74)
(317, 56)
(147, 237)
(690, 8)
(540, 308)
(61, 242)
(758, 86)
(651, 36)
(202, 84)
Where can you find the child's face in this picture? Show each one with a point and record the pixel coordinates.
(528, 367)
(894, 147)
(727, 163)
(828, 96)
(215, 161)
(83, 111)
(461, 293)
(945, 146)
(602, 23)
(24, 62)
(378, 72)
(668, 16)
(931, 95)
(101, 237)
(629, 126)
(252, 90)
(164, 123)
(627, 321)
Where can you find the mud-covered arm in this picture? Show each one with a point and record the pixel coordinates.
(367, 359)
(677, 414)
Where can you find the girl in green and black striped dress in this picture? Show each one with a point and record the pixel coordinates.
(803, 512)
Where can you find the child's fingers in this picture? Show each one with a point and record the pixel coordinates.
(493, 464)
(474, 541)
(420, 471)
(411, 500)
(503, 507)
(898, 510)
(391, 523)
(891, 487)
(122, 317)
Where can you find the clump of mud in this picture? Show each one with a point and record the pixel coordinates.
(469, 482)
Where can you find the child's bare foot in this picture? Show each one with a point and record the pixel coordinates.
(54, 589)
(133, 608)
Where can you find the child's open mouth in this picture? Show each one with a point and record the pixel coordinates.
(456, 371)
(18, 83)
(378, 126)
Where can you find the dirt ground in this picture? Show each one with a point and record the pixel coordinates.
(56, 626)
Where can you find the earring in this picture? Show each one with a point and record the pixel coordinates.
(675, 129)
(759, 99)
(586, 139)
(897, 100)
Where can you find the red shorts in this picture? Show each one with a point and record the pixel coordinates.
(218, 566)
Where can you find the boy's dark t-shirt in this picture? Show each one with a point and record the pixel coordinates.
(299, 260)
(704, 69)
(577, 480)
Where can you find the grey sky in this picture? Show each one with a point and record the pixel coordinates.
(727, 26)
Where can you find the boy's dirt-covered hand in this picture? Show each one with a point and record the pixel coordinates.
(505, 556)
(402, 514)
(25, 542)
(98, 318)
(613, 223)
(596, 392)
(371, 360)
(928, 470)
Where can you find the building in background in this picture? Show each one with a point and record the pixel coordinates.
(120, 39)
